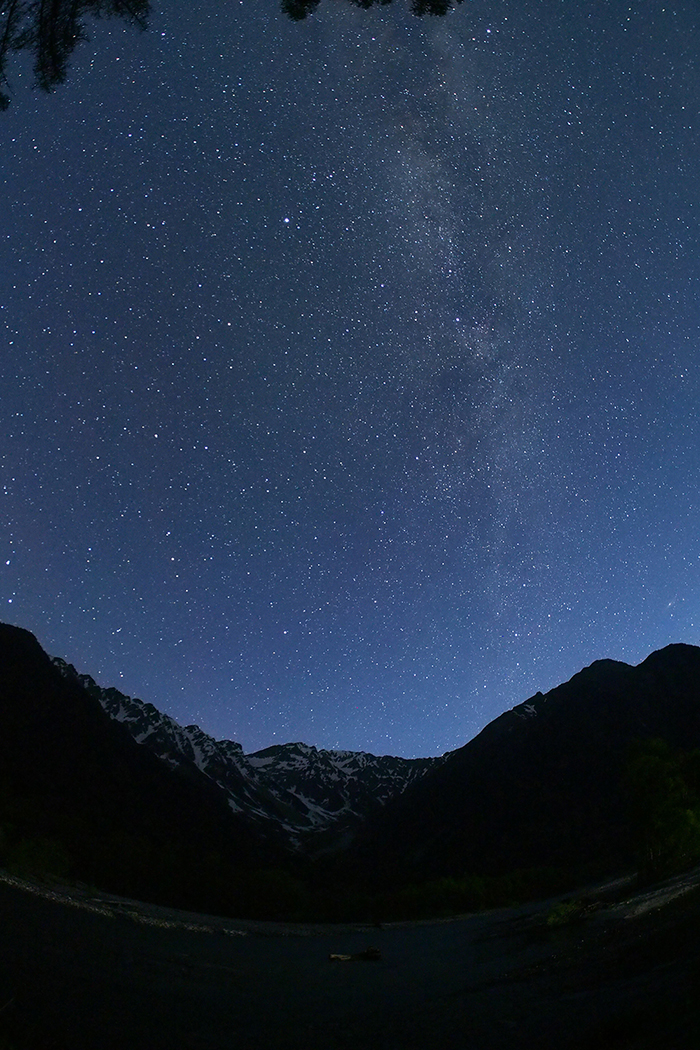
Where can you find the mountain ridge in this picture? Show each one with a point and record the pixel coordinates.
(543, 783)
(295, 789)
(79, 796)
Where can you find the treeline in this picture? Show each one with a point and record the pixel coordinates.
(300, 9)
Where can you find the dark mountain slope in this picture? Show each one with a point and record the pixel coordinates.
(542, 784)
(75, 785)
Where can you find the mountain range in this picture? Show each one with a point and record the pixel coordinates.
(103, 787)
(292, 791)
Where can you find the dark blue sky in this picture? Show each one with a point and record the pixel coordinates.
(349, 369)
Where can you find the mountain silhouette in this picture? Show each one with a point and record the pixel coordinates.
(543, 784)
(78, 793)
(136, 804)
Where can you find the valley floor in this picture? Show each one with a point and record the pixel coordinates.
(93, 972)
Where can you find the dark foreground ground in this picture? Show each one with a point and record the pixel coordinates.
(91, 973)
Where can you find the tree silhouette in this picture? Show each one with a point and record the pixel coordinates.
(299, 9)
(50, 30)
(663, 787)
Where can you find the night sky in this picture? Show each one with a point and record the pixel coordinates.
(349, 368)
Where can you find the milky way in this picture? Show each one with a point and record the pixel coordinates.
(349, 367)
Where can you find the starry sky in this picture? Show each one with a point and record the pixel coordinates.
(349, 368)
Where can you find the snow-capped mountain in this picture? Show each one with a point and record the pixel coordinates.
(297, 789)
